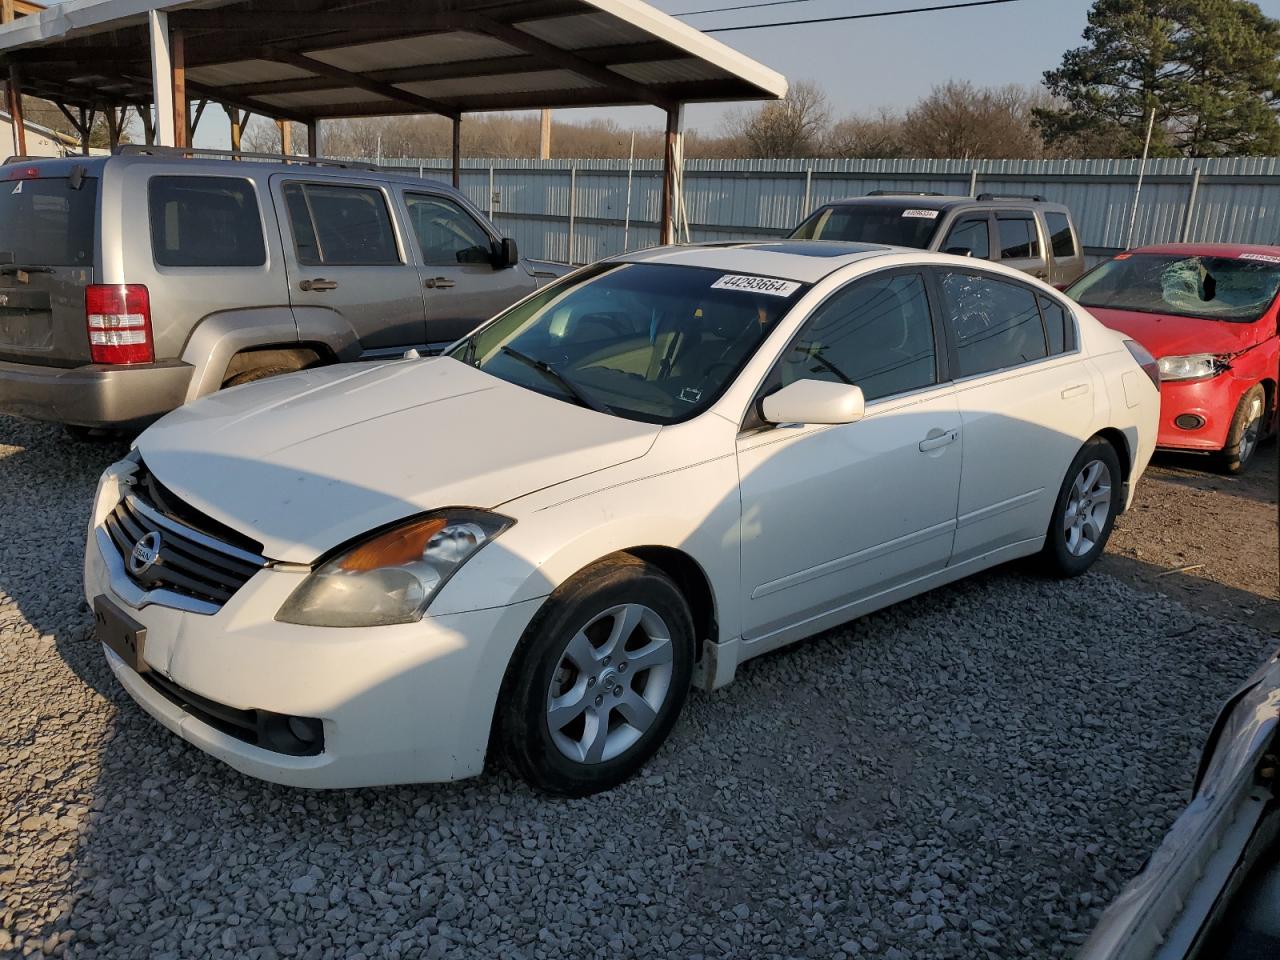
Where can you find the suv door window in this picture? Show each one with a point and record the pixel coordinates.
(970, 236)
(341, 225)
(876, 333)
(1061, 239)
(994, 324)
(447, 234)
(205, 222)
(1019, 238)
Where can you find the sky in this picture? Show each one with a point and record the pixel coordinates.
(864, 65)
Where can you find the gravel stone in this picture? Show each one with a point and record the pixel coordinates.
(974, 773)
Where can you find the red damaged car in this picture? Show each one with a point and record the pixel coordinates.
(1208, 313)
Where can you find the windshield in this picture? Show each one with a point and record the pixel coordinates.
(646, 341)
(871, 223)
(1238, 289)
(46, 223)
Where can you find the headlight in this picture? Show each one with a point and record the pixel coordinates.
(391, 577)
(1191, 367)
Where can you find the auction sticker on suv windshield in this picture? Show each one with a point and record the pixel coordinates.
(1260, 257)
(769, 285)
(921, 214)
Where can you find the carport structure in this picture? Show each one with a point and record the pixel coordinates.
(309, 60)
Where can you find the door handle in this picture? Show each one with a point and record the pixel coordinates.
(439, 283)
(317, 285)
(1079, 390)
(940, 440)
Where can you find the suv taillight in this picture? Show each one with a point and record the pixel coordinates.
(119, 320)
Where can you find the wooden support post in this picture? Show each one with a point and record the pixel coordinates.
(544, 136)
(286, 137)
(181, 106)
(313, 137)
(114, 122)
(162, 79)
(236, 120)
(148, 124)
(670, 159)
(14, 96)
(195, 122)
(84, 128)
(457, 153)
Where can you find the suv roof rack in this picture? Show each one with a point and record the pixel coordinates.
(1033, 197)
(139, 149)
(905, 193)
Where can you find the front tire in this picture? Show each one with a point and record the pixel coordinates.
(1246, 430)
(1085, 511)
(598, 679)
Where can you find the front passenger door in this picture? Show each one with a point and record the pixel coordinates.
(836, 514)
(462, 285)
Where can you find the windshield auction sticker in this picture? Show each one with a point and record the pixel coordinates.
(769, 285)
(1260, 257)
(921, 214)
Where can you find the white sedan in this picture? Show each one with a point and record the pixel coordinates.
(622, 487)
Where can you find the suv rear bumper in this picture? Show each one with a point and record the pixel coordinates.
(93, 396)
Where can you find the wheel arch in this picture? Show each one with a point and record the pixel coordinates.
(692, 582)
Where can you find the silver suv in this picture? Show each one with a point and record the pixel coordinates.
(1026, 233)
(134, 283)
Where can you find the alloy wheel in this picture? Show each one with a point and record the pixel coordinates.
(612, 679)
(1252, 431)
(1088, 507)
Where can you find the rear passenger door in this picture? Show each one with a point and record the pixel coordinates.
(1026, 404)
(463, 284)
(1020, 244)
(343, 255)
(1064, 245)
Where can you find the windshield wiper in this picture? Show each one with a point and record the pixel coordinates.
(553, 374)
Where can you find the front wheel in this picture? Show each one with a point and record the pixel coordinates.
(598, 679)
(1246, 430)
(1085, 510)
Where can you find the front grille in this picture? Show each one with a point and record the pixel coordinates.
(189, 562)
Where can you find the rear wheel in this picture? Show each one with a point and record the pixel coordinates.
(1246, 430)
(1088, 502)
(598, 679)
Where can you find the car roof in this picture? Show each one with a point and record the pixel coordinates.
(807, 261)
(932, 202)
(1226, 250)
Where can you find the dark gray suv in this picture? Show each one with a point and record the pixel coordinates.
(134, 283)
(1026, 233)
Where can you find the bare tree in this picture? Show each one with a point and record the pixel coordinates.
(791, 127)
(960, 121)
(876, 137)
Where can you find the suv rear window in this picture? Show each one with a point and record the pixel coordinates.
(1060, 237)
(894, 224)
(205, 222)
(45, 223)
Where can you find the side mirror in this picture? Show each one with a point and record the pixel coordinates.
(505, 255)
(959, 251)
(814, 401)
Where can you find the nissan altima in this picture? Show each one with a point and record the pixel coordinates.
(624, 486)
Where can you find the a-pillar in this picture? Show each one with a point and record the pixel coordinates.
(671, 159)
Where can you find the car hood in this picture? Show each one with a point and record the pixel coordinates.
(1171, 336)
(305, 462)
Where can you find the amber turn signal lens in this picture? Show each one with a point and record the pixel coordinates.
(402, 545)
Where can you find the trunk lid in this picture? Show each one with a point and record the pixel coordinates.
(48, 227)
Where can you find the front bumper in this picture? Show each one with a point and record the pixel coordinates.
(399, 704)
(95, 395)
(1212, 399)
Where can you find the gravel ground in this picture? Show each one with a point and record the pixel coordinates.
(973, 773)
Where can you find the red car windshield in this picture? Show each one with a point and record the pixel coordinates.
(1236, 289)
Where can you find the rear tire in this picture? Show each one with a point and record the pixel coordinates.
(1247, 427)
(598, 679)
(257, 373)
(1086, 509)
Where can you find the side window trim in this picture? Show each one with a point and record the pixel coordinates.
(942, 365)
(953, 354)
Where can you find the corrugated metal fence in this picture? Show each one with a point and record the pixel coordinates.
(583, 210)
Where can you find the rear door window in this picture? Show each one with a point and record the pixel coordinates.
(44, 222)
(205, 222)
(994, 324)
(1019, 238)
(970, 237)
(340, 225)
(447, 234)
(1061, 239)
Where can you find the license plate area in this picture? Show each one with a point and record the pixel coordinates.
(122, 634)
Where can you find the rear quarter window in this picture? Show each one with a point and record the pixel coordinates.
(205, 222)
